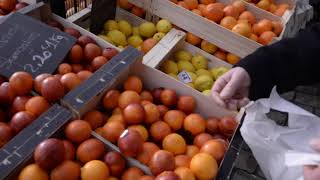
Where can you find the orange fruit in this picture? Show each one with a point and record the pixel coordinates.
(118, 117)
(272, 8)
(34, 172)
(201, 139)
(124, 4)
(134, 113)
(174, 1)
(183, 4)
(162, 109)
(281, 9)
(185, 173)
(233, 59)
(132, 173)
(128, 97)
(159, 130)
(116, 111)
(214, 12)
(68, 170)
(247, 15)
(94, 169)
(137, 11)
(90, 149)
(193, 39)
(78, 131)
(228, 22)
(239, 5)
(253, 37)
(148, 44)
(277, 27)
(197, 11)
(174, 118)
(204, 166)
(146, 95)
(174, 143)
(215, 148)
(192, 4)
(221, 55)
(110, 99)
(152, 113)
(141, 130)
(146, 177)
(133, 83)
(206, 2)
(231, 11)
(94, 118)
(208, 47)
(266, 37)
(149, 149)
(99, 131)
(263, 26)
(243, 29)
(201, 8)
(182, 161)
(112, 131)
(195, 124)
(186, 104)
(263, 4)
(192, 150)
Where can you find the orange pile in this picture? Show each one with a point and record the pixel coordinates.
(235, 18)
(124, 4)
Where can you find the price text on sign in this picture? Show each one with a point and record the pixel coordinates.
(184, 77)
(29, 45)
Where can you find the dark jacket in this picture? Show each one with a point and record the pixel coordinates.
(286, 64)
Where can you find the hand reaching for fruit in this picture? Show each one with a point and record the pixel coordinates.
(312, 172)
(231, 89)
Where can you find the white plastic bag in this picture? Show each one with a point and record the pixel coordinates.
(281, 151)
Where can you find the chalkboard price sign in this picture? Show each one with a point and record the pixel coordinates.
(30, 45)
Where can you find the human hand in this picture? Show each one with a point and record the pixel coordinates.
(231, 89)
(312, 172)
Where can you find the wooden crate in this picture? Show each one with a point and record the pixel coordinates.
(206, 29)
(162, 47)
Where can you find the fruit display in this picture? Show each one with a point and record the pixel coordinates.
(8, 6)
(124, 4)
(193, 70)
(143, 37)
(235, 18)
(212, 49)
(163, 131)
(69, 158)
(271, 6)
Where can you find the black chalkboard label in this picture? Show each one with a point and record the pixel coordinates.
(30, 45)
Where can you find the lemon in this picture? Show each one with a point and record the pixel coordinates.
(200, 72)
(106, 38)
(190, 84)
(135, 31)
(164, 26)
(203, 83)
(207, 92)
(110, 25)
(182, 55)
(169, 67)
(217, 72)
(135, 41)
(199, 62)
(147, 29)
(185, 65)
(174, 76)
(117, 37)
(192, 75)
(125, 27)
(158, 36)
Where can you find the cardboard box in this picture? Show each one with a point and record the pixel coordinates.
(206, 29)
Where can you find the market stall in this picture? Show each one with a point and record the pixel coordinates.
(132, 100)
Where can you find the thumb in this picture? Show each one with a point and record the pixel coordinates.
(231, 88)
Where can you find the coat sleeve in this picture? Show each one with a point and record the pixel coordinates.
(286, 64)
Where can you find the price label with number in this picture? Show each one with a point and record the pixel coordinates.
(30, 45)
(184, 77)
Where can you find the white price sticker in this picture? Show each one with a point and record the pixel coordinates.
(184, 77)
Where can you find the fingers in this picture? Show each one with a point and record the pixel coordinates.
(311, 172)
(315, 144)
(216, 98)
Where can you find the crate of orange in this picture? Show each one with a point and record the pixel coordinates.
(234, 26)
(160, 122)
